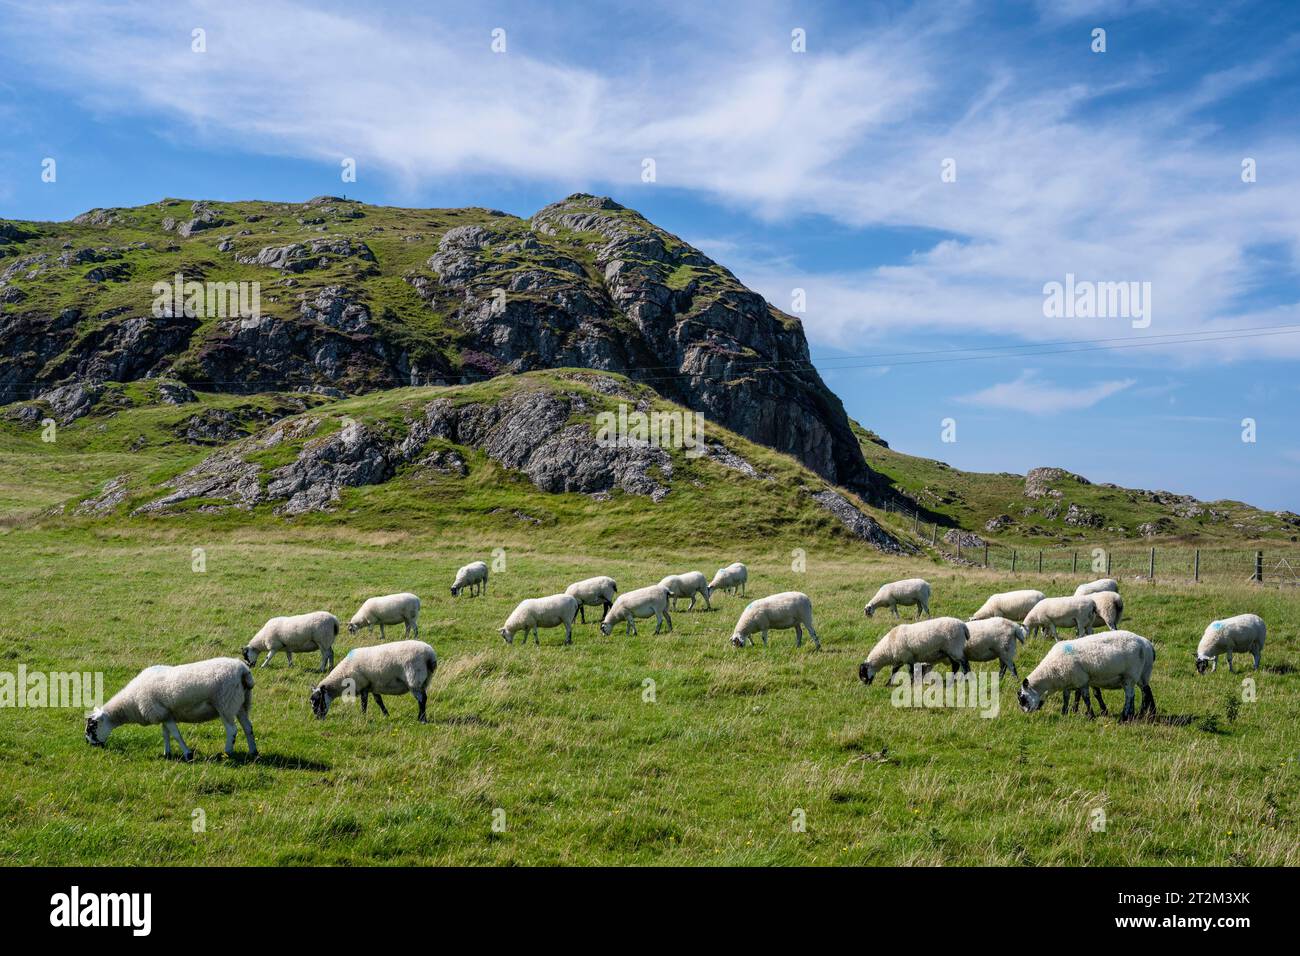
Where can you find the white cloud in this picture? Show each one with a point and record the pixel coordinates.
(1031, 395)
(853, 131)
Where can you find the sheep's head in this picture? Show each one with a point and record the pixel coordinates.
(1029, 699)
(866, 673)
(320, 702)
(508, 637)
(1202, 664)
(353, 627)
(98, 727)
(454, 590)
(737, 640)
(249, 655)
(606, 627)
(870, 609)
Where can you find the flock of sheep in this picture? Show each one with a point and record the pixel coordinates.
(221, 688)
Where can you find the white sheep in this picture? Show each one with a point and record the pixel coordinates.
(532, 613)
(914, 592)
(1110, 608)
(730, 579)
(401, 667)
(593, 591)
(690, 584)
(390, 609)
(924, 642)
(1110, 660)
(776, 612)
(1013, 605)
(994, 638)
(643, 602)
(1076, 612)
(314, 631)
(473, 576)
(1243, 634)
(1101, 584)
(221, 687)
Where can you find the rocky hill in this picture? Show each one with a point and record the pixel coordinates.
(355, 298)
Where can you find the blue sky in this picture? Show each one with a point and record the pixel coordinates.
(818, 171)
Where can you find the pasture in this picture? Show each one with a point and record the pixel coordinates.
(668, 749)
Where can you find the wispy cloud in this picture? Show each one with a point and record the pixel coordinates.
(1031, 395)
(1113, 174)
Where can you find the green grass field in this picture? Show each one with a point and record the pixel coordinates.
(564, 742)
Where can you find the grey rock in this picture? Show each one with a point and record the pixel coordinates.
(113, 493)
(862, 526)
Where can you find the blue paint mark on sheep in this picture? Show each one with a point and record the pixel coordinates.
(1067, 648)
(1216, 625)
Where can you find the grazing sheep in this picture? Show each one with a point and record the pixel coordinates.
(924, 642)
(1076, 612)
(473, 576)
(1092, 587)
(994, 638)
(1013, 605)
(643, 602)
(301, 632)
(1110, 608)
(401, 667)
(532, 613)
(221, 687)
(389, 609)
(730, 579)
(912, 592)
(1244, 633)
(777, 612)
(593, 591)
(1100, 661)
(690, 584)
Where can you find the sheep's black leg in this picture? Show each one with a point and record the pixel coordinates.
(1101, 702)
(1065, 703)
(582, 615)
(365, 699)
(421, 698)
(1087, 703)
(1148, 700)
(379, 702)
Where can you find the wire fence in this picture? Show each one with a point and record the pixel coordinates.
(1277, 565)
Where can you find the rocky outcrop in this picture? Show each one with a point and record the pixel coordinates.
(585, 282)
(862, 526)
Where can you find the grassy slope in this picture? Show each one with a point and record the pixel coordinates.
(141, 441)
(968, 500)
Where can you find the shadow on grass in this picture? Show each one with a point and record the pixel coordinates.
(1172, 720)
(265, 759)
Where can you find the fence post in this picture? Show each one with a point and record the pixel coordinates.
(1151, 575)
(916, 522)
(1108, 562)
(986, 554)
(959, 547)
(1196, 567)
(1040, 560)
(1013, 560)
(1074, 569)
(1259, 567)
(934, 533)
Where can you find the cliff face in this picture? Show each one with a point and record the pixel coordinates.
(359, 298)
